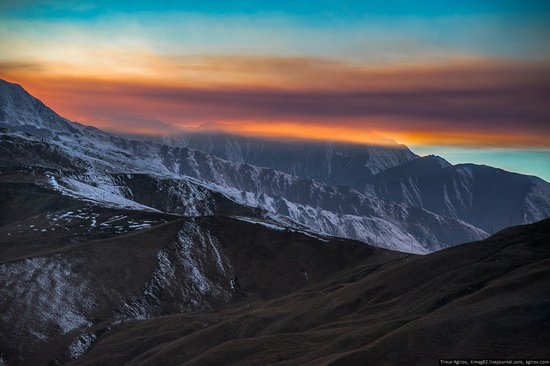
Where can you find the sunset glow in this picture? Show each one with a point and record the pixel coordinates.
(471, 76)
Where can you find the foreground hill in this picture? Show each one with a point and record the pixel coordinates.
(68, 275)
(310, 302)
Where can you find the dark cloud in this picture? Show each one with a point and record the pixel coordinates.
(507, 108)
(491, 98)
(141, 126)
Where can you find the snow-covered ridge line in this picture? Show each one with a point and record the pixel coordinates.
(98, 189)
(284, 197)
(280, 227)
(273, 226)
(331, 162)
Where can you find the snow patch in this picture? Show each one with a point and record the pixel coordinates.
(184, 272)
(263, 223)
(52, 300)
(81, 345)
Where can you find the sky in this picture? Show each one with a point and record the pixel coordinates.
(467, 80)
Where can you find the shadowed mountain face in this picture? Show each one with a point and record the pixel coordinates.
(484, 196)
(337, 211)
(334, 163)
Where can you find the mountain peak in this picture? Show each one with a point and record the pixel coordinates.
(418, 167)
(7, 84)
(435, 160)
(20, 111)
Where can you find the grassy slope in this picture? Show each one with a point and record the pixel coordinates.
(489, 299)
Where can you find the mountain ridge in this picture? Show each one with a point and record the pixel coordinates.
(104, 154)
(335, 163)
(484, 196)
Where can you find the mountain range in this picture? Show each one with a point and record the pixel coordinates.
(85, 284)
(334, 163)
(210, 248)
(315, 173)
(483, 196)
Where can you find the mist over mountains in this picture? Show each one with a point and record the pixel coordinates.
(203, 241)
(481, 195)
(281, 197)
(334, 163)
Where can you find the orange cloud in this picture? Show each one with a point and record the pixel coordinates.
(469, 102)
(294, 130)
(472, 138)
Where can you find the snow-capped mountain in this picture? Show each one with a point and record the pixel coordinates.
(20, 110)
(204, 184)
(482, 196)
(98, 160)
(334, 163)
(486, 197)
(91, 163)
(324, 208)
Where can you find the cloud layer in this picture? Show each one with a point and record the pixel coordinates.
(465, 102)
(474, 75)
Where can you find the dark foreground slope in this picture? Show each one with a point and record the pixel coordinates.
(71, 270)
(488, 299)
